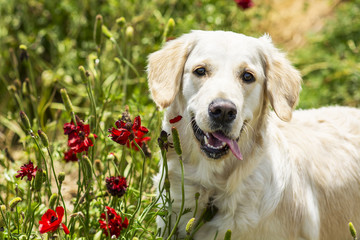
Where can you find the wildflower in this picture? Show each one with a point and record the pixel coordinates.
(51, 221)
(121, 134)
(126, 132)
(28, 171)
(175, 119)
(70, 156)
(112, 222)
(244, 4)
(116, 185)
(78, 140)
(163, 141)
(139, 132)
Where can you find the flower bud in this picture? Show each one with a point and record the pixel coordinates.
(23, 53)
(110, 157)
(352, 230)
(25, 120)
(24, 88)
(97, 30)
(227, 235)
(17, 84)
(53, 200)
(106, 32)
(77, 214)
(38, 180)
(12, 88)
(44, 138)
(84, 74)
(189, 226)
(13, 203)
(66, 100)
(61, 177)
(98, 235)
(167, 184)
(176, 140)
(98, 165)
(121, 22)
(170, 26)
(2, 220)
(92, 137)
(129, 33)
(197, 195)
(87, 166)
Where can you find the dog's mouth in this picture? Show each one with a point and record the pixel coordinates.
(215, 144)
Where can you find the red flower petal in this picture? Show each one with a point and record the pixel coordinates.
(60, 213)
(175, 119)
(137, 123)
(66, 230)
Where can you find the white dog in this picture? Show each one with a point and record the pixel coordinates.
(271, 175)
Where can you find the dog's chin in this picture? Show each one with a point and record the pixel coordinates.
(210, 143)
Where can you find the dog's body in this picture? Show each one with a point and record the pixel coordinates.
(290, 176)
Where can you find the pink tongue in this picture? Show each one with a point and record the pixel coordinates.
(234, 147)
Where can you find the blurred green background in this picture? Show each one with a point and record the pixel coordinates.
(321, 37)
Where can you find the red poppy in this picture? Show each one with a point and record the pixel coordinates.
(126, 132)
(116, 185)
(78, 139)
(244, 4)
(27, 170)
(121, 134)
(51, 221)
(175, 119)
(70, 156)
(112, 223)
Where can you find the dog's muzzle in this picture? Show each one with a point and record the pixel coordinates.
(217, 144)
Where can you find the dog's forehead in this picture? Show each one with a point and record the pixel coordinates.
(225, 45)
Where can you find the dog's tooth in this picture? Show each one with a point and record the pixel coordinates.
(206, 140)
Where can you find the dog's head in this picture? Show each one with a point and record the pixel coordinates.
(223, 79)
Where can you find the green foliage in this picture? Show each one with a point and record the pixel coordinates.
(96, 52)
(330, 63)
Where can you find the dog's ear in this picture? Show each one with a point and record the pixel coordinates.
(165, 69)
(283, 81)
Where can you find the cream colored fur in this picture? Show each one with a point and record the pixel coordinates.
(300, 173)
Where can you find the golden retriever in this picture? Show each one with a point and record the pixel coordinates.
(271, 174)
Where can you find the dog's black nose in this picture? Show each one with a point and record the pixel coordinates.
(222, 111)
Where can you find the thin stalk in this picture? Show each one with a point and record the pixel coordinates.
(17, 219)
(57, 182)
(7, 222)
(28, 212)
(141, 183)
(168, 194)
(43, 157)
(182, 199)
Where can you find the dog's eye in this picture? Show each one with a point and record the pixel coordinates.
(200, 71)
(248, 77)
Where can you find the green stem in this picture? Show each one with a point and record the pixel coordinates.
(141, 183)
(57, 182)
(43, 157)
(7, 222)
(182, 199)
(28, 212)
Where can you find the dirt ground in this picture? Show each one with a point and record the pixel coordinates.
(290, 21)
